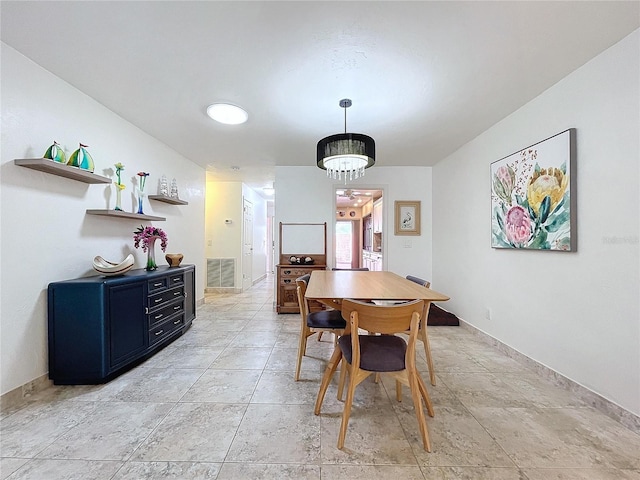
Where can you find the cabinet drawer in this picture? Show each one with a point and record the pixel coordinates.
(157, 284)
(161, 315)
(294, 272)
(165, 296)
(165, 329)
(175, 280)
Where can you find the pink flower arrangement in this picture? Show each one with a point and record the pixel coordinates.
(145, 236)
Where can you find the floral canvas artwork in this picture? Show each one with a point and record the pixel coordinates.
(531, 197)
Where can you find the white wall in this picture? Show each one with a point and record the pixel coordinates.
(224, 240)
(46, 235)
(577, 313)
(306, 195)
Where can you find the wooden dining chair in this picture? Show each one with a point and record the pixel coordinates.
(314, 322)
(385, 353)
(423, 334)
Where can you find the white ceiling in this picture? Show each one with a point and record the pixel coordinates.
(424, 77)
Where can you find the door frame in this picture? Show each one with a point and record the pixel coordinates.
(332, 225)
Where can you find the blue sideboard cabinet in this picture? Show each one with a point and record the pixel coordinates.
(99, 327)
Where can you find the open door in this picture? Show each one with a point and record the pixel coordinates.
(247, 244)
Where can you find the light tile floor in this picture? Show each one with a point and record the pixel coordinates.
(221, 403)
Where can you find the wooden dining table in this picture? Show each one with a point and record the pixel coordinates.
(330, 287)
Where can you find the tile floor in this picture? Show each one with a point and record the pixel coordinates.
(220, 403)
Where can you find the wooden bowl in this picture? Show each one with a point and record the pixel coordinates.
(174, 259)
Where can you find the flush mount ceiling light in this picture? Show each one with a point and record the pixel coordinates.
(227, 113)
(346, 154)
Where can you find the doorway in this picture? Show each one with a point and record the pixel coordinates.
(347, 251)
(353, 233)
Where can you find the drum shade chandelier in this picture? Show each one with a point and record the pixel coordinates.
(345, 153)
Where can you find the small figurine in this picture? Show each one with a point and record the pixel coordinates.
(81, 159)
(55, 153)
(174, 189)
(163, 188)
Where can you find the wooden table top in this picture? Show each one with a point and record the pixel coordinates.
(336, 285)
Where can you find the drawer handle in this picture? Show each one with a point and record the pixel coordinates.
(287, 272)
(177, 322)
(175, 294)
(159, 316)
(287, 280)
(157, 300)
(157, 284)
(177, 279)
(177, 307)
(159, 333)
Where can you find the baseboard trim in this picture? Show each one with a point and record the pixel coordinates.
(15, 398)
(597, 401)
(222, 290)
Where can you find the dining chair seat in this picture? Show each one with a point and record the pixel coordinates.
(378, 353)
(331, 319)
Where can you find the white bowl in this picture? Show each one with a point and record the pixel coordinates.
(105, 267)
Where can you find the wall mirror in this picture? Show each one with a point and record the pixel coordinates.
(303, 239)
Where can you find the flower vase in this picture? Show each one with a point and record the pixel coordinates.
(118, 198)
(151, 254)
(140, 198)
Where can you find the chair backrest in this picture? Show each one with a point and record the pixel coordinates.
(301, 289)
(419, 281)
(364, 269)
(383, 319)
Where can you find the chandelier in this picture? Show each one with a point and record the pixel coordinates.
(345, 153)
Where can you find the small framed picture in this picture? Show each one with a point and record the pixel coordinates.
(407, 217)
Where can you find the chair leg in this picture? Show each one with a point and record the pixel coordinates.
(347, 410)
(427, 352)
(302, 344)
(343, 377)
(320, 335)
(398, 391)
(417, 405)
(425, 395)
(335, 359)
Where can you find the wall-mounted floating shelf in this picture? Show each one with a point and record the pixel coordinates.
(165, 199)
(61, 170)
(118, 213)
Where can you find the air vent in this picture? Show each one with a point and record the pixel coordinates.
(221, 272)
